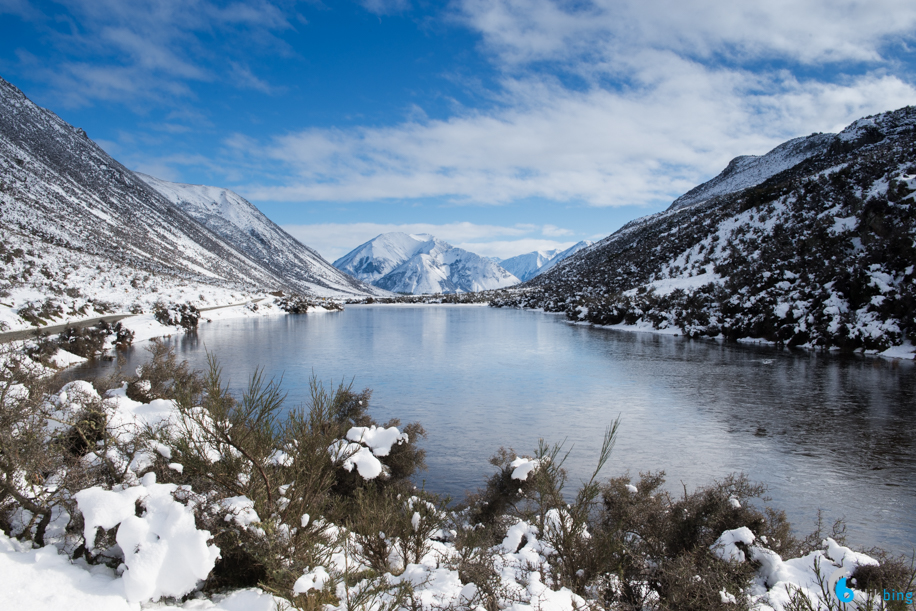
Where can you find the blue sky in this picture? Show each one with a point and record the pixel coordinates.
(502, 126)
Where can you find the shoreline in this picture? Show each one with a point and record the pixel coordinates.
(902, 352)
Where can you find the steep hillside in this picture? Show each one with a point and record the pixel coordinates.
(238, 222)
(820, 254)
(750, 170)
(422, 264)
(60, 187)
(79, 229)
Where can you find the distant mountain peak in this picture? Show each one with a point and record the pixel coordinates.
(421, 263)
(527, 266)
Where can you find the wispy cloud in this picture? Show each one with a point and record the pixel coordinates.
(603, 147)
(20, 8)
(602, 32)
(667, 93)
(152, 51)
(334, 240)
(385, 7)
(246, 79)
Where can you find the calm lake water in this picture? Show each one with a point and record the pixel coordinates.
(822, 431)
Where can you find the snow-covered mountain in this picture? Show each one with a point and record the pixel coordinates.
(563, 255)
(749, 170)
(57, 187)
(240, 223)
(422, 264)
(527, 266)
(820, 254)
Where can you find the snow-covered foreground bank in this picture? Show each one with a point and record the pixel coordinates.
(125, 538)
(46, 579)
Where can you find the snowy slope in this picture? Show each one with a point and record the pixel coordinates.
(750, 170)
(526, 266)
(59, 189)
(822, 254)
(422, 264)
(240, 223)
(563, 255)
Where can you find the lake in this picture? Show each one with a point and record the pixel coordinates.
(823, 431)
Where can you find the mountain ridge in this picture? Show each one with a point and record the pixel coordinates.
(237, 220)
(422, 264)
(820, 254)
(61, 188)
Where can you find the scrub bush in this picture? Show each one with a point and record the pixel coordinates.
(39, 314)
(53, 442)
(664, 544)
(182, 315)
(88, 342)
(279, 459)
(295, 303)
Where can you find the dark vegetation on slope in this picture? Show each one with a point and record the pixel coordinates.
(821, 254)
(620, 546)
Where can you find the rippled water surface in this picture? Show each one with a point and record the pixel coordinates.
(822, 431)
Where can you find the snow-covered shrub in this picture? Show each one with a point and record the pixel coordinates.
(88, 342)
(295, 303)
(281, 465)
(40, 314)
(669, 549)
(392, 527)
(164, 552)
(182, 315)
(163, 376)
(53, 443)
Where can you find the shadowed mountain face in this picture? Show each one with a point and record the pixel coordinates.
(240, 223)
(59, 187)
(422, 264)
(821, 253)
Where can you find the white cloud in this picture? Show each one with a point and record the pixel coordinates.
(645, 144)
(553, 230)
(668, 93)
(334, 240)
(665, 93)
(246, 79)
(807, 31)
